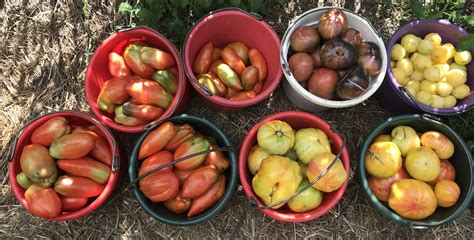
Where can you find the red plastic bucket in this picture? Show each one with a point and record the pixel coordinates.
(296, 120)
(74, 118)
(222, 27)
(98, 73)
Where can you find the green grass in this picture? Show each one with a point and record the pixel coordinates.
(463, 124)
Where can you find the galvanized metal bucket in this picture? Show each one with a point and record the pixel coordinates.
(301, 97)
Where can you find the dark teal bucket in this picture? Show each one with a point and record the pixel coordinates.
(158, 210)
(462, 160)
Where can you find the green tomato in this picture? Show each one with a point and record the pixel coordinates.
(276, 137)
(310, 142)
(23, 180)
(310, 199)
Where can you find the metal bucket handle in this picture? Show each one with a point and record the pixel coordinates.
(223, 149)
(115, 155)
(255, 203)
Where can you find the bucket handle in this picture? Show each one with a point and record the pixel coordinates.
(417, 227)
(14, 140)
(287, 70)
(123, 28)
(223, 149)
(333, 162)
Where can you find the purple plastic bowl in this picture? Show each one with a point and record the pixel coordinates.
(390, 95)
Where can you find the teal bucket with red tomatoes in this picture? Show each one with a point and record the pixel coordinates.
(141, 158)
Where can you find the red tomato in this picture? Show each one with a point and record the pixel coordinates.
(86, 167)
(160, 186)
(191, 146)
(117, 66)
(149, 92)
(203, 59)
(157, 139)
(208, 199)
(199, 182)
(217, 159)
(101, 150)
(37, 165)
(231, 58)
(142, 111)
(257, 60)
(43, 202)
(244, 95)
(113, 93)
(72, 204)
(258, 87)
(73, 186)
(177, 204)
(182, 175)
(156, 160)
(49, 131)
(212, 67)
(156, 58)
(72, 146)
(183, 133)
(134, 62)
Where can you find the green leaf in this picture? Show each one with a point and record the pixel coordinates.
(417, 9)
(205, 3)
(175, 3)
(155, 3)
(145, 16)
(435, 15)
(469, 20)
(124, 8)
(184, 3)
(282, 2)
(235, 3)
(466, 43)
(254, 5)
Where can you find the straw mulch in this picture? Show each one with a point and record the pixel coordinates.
(45, 47)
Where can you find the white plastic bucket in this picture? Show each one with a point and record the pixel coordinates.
(301, 97)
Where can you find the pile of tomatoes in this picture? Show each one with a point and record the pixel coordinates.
(412, 172)
(83, 155)
(144, 83)
(286, 160)
(234, 72)
(433, 72)
(332, 60)
(192, 185)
